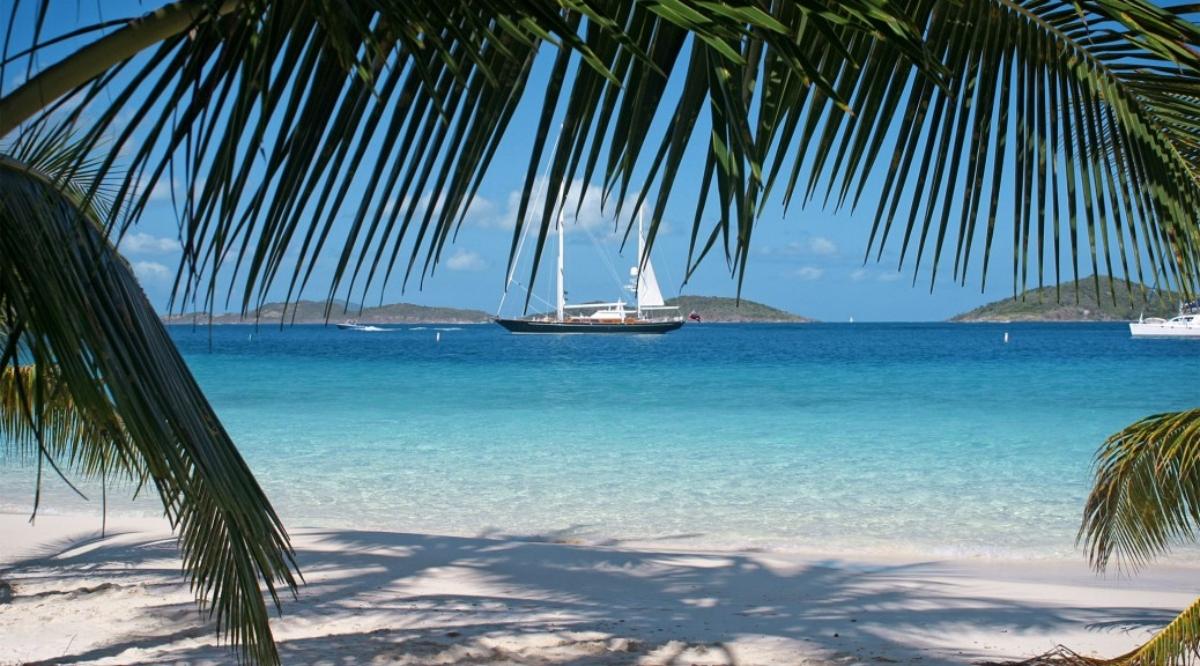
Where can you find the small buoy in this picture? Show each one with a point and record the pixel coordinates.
(1006, 337)
(438, 336)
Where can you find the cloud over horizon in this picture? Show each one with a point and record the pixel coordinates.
(466, 260)
(808, 273)
(141, 242)
(151, 272)
(819, 246)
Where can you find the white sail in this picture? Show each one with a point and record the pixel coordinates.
(648, 294)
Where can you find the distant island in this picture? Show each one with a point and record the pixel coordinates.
(712, 309)
(1049, 304)
(313, 312)
(728, 310)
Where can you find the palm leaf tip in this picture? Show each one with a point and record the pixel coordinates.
(1146, 495)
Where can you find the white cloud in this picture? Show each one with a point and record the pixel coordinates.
(816, 245)
(860, 274)
(481, 208)
(790, 249)
(466, 260)
(822, 246)
(151, 271)
(143, 243)
(808, 273)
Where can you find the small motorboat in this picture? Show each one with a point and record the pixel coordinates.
(353, 325)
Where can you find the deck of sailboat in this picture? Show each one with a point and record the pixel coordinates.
(583, 326)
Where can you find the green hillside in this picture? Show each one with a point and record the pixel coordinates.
(313, 312)
(719, 309)
(1077, 301)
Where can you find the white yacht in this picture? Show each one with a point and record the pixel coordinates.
(1186, 325)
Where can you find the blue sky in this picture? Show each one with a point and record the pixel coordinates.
(808, 260)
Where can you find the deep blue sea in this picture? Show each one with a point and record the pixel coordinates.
(934, 439)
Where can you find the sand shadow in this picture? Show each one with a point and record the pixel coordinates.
(386, 596)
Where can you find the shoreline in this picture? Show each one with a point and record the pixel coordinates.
(425, 599)
(86, 517)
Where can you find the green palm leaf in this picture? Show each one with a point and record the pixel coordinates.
(407, 99)
(1175, 645)
(1088, 111)
(90, 375)
(1147, 490)
(52, 429)
(1038, 103)
(1147, 497)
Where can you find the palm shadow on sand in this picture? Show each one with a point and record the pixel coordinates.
(390, 597)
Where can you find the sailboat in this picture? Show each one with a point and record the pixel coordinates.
(648, 313)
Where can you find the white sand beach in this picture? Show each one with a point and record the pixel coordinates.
(69, 596)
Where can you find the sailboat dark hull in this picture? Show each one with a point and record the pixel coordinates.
(646, 327)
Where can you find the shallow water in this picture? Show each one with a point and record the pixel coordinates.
(934, 439)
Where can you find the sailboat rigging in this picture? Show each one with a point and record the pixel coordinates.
(648, 315)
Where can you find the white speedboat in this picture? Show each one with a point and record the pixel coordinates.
(352, 325)
(1183, 326)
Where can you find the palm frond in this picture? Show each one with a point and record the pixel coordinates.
(53, 427)
(1177, 644)
(1088, 112)
(96, 377)
(285, 115)
(56, 152)
(1147, 490)
(393, 111)
(1085, 112)
(771, 57)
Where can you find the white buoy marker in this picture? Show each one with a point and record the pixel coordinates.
(1006, 337)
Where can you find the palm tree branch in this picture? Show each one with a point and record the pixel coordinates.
(1146, 494)
(1176, 644)
(104, 368)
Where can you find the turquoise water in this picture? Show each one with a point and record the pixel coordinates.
(934, 439)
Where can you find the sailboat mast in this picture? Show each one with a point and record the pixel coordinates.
(561, 303)
(641, 260)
